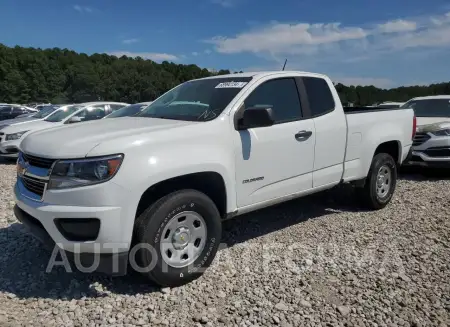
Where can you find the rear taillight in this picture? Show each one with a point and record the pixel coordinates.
(414, 127)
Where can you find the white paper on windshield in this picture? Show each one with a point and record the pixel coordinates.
(228, 85)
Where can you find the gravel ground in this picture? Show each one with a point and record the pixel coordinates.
(316, 261)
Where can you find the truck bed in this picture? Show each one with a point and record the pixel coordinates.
(369, 127)
(353, 110)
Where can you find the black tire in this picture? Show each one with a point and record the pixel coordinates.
(368, 194)
(149, 228)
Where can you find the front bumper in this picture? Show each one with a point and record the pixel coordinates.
(9, 149)
(423, 160)
(434, 152)
(115, 264)
(109, 205)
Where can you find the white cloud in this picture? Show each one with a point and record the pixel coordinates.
(83, 9)
(335, 41)
(207, 51)
(398, 25)
(146, 55)
(439, 21)
(195, 53)
(225, 3)
(130, 41)
(280, 37)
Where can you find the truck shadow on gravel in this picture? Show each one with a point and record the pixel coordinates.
(24, 261)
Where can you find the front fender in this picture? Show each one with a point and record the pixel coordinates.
(139, 172)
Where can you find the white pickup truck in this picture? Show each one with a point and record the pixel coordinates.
(156, 187)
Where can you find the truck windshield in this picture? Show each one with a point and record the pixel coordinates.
(61, 114)
(198, 100)
(429, 107)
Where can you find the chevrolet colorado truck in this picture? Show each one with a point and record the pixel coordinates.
(152, 190)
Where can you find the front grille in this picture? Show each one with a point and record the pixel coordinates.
(420, 138)
(438, 152)
(37, 161)
(34, 185)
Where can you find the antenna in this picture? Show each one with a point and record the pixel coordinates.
(284, 64)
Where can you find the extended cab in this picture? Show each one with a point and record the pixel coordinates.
(153, 189)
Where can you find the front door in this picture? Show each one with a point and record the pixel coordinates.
(278, 160)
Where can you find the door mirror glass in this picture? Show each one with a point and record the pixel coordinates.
(257, 117)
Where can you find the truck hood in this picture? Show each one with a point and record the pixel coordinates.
(421, 121)
(77, 140)
(15, 121)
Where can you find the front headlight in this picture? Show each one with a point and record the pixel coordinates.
(15, 136)
(442, 132)
(83, 172)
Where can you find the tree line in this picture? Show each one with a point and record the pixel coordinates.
(64, 76)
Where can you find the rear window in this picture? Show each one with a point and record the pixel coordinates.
(319, 96)
(429, 107)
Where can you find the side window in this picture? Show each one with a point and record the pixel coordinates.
(17, 111)
(94, 113)
(81, 114)
(319, 96)
(115, 107)
(281, 95)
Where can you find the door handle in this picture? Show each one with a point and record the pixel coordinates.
(303, 135)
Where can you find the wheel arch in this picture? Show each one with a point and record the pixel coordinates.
(210, 183)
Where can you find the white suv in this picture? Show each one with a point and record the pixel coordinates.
(431, 147)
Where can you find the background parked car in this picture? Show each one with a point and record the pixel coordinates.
(12, 111)
(431, 146)
(46, 111)
(130, 110)
(10, 136)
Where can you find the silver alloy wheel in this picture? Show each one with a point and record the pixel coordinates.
(183, 239)
(384, 181)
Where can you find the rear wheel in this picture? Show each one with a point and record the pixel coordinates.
(179, 236)
(380, 183)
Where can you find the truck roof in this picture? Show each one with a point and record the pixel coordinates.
(433, 97)
(264, 74)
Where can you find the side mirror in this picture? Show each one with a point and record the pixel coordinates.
(256, 117)
(74, 119)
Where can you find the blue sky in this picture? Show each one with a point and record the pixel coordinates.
(382, 42)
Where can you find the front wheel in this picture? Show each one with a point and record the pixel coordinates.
(381, 182)
(178, 237)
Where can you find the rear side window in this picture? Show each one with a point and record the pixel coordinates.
(319, 96)
(281, 95)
